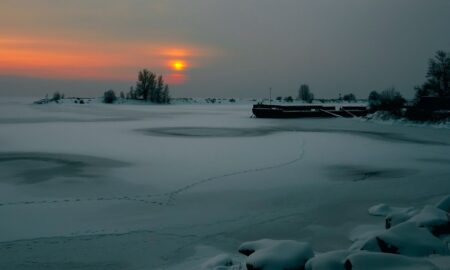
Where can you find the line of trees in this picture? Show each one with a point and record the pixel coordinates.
(432, 98)
(438, 77)
(149, 87)
(387, 100)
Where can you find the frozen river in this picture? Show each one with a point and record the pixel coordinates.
(150, 187)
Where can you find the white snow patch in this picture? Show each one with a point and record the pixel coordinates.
(267, 254)
(220, 262)
(444, 204)
(328, 261)
(385, 210)
(383, 261)
(430, 217)
(406, 239)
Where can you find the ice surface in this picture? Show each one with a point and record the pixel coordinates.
(307, 179)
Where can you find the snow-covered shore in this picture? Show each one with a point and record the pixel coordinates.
(165, 187)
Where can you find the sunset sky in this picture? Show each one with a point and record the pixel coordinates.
(225, 48)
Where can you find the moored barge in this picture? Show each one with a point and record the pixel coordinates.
(307, 111)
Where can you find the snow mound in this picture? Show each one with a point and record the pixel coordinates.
(398, 218)
(444, 204)
(220, 262)
(406, 239)
(267, 254)
(432, 218)
(361, 234)
(328, 261)
(393, 215)
(383, 261)
(385, 210)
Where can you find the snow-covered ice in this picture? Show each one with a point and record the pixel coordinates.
(97, 186)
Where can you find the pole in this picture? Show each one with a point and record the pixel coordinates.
(270, 96)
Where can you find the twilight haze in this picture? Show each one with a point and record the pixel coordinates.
(219, 48)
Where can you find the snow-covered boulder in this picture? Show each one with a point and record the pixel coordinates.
(220, 262)
(267, 254)
(444, 204)
(383, 261)
(406, 239)
(385, 210)
(396, 218)
(434, 219)
(328, 261)
(393, 215)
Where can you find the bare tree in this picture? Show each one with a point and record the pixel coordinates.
(305, 94)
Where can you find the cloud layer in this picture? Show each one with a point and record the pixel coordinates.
(231, 48)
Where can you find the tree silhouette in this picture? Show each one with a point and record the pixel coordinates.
(159, 90)
(150, 87)
(305, 94)
(109, 96)
(349, 97)
(145, 85)
(388, 100)
(165, 96)
(438, 77)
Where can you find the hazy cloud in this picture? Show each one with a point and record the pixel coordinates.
(233, 48)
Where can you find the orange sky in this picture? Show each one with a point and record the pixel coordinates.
(65, 59)
(230, 48)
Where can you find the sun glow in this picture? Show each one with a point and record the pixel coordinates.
(46, 57)
(178, 65)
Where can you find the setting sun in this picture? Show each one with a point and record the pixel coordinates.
(178, 65)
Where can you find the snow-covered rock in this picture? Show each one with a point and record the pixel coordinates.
(434, 219)
(406, 239)
(444, 204)
(396, 218)
(361, 234)
(220, 262)
(384, 210)
(267, 254)
(383, 261)
(328, 261)
(393, 215)
(442, 262)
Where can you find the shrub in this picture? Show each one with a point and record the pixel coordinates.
(349, 97)
(109, 96)
(388, 100)
(288, 99)
(56, 96)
